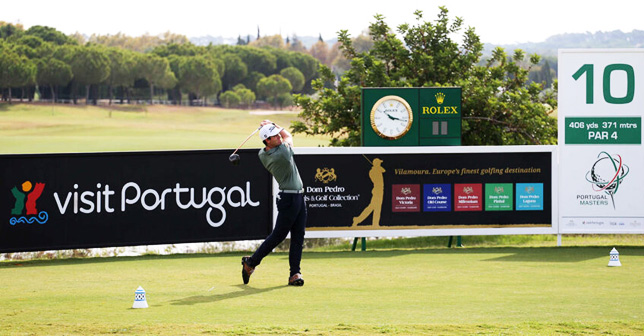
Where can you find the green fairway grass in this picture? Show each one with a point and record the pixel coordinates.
(47, 128)
(485, 291)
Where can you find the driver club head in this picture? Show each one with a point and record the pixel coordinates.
(234, 159)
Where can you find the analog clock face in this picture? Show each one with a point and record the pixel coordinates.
(391, 117)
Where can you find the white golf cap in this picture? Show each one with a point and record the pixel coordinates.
(268, 130)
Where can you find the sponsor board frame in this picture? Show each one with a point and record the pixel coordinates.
(87, 200)
(600, 139)
(303, 155)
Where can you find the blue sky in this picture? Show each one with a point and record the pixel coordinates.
(496, 21)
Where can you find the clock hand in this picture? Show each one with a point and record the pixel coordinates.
(394, 118)
(391, 117)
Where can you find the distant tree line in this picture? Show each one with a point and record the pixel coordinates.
(44, 62)
(507, 99)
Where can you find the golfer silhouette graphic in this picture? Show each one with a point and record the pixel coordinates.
(377, 195)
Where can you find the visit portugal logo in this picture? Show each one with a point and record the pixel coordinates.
(25, 209)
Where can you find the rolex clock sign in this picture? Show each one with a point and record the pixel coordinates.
(411, 116)
(391, 117)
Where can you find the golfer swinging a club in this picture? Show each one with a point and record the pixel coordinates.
(277, 158)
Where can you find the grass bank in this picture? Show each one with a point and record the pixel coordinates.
(48, 128)
(487, 291)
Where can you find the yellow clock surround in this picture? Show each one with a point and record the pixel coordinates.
(391, 117)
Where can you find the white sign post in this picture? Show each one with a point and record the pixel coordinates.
(601, 103)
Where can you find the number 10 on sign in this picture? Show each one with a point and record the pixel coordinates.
(589, 71)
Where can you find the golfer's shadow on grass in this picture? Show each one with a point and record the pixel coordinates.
(245, 291)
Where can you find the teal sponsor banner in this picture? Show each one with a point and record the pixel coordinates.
(529, 196)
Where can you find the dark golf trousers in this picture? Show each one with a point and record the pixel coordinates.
(291, 218)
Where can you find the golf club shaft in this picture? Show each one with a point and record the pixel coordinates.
(240, 146)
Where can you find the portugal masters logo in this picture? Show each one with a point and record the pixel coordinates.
(24, 210)
(607, 173)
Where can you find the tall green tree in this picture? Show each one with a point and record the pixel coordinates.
(308, 66)
(294, 76)
(8, 30)
(123, 64)
(246, 96)
(175, 93)
(16, 71)
(198, 75)
(65, 53)
(273, 87)
(49, 34)
(229, 99)
(235, 71)
(498, 105)
(283, 58)
(156, 70)
(252, 79)
(53, 73)
(90, 66)
(257, 59)
(34, 42)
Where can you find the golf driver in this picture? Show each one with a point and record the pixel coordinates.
(234, 157)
